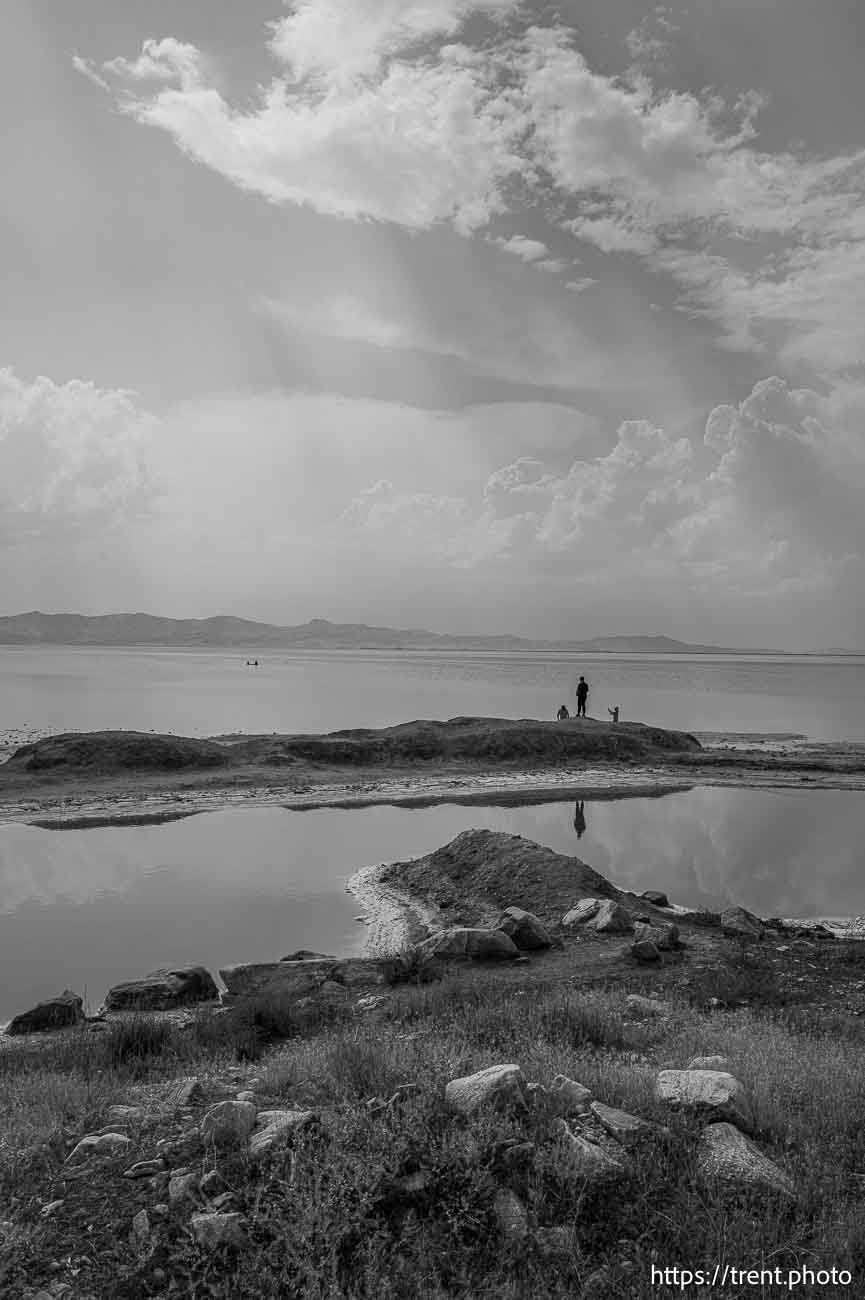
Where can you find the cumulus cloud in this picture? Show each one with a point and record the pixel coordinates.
(767, 503)
(380, 109)
(72, 458)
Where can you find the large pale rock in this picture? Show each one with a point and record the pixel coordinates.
(98, 1145)
(592, 1162)
(182, 1186)
(163, 989)
(584, 910)
(470, 944)
(664, 936)
(212, 1230)
(511, 1216)
(273, 1127)
(726, 1155)
(737, 923)
(499, 1085)
(566, 1096)
(228, 1124)
(527, 930)
(710, 1092)
(611, 918)
(54, 1013)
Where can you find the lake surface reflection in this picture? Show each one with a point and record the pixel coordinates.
(87, 908)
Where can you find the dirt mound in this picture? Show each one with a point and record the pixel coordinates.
(481, 872)
(115, 751)
(490, 740)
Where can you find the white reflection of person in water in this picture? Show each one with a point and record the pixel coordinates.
(579, 817)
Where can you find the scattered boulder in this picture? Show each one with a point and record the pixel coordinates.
(737, 923)
(471, 944)
(645, 952)
(304, 978)
(67, 1008)
(99, 1145)
(709, 1063)
(526, 929)
(499, 1086)
(141, 1228)
(611, 918)
(182, 1186)
(163, 989)
(591, 1161)
(726, 1155)
(212, 1183)
(638, 1005)
(213, 1230)
(710, 1092)
(665, 937)
(656, 897)
(585, 909)
(511, 1215)
(145, 1168)
(228, 1123)
(567, 1097)
(273, 1127)
(619, 1124)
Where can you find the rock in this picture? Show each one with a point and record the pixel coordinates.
(273, 1127)
(727, 1155)
(702, 916)
(228, 1123)
(163, 989)
(145, 1168)
(298, 979)
(214, 1230)
(712, 1092)
(99, 1145)
(591, 1161)
(585, 909)
(212, 1183)
(370, 1001)
(619, 1124)
(611, 918)
(567, 1097)
(709, 1063)
(640, 1006)
(656, 897)
(737, 923)
(499, 1086)
(527, 930)
(182, 1187)
(471, 944)
(306, 954)
(665, 936)
(513, 1157)
(511, 1215)
(180, 1095)
(645, 952)
(141, 1228)
(51, 1208)
(220, 1202)
(54, 1013)
(125, 1114)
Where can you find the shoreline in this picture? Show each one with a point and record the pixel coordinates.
(116, 804)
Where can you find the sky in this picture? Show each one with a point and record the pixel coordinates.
(471, 315)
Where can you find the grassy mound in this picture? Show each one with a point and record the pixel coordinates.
(489, 740)
(117, 751)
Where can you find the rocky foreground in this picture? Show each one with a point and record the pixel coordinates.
(558, 1083)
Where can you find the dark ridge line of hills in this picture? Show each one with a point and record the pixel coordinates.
(36, 628)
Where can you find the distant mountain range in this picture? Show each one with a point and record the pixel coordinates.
(145, 629)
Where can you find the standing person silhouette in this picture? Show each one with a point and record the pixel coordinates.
(579, 818)
(582, 696)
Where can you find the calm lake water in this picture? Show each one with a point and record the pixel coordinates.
(88, 908)
(209, 693)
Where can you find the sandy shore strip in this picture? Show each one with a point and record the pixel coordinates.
(395, 919)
